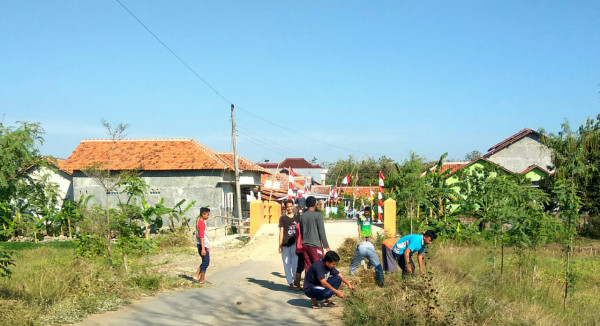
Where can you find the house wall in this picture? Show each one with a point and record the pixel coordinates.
(60, 178)
(212, 188)
(523, 153)
(203, 186)
(317, 174)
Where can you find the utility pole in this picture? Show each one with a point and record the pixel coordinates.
(238, 194)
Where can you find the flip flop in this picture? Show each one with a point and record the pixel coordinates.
(330, 304)
(315, 305)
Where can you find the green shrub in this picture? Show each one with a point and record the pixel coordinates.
(90, 245)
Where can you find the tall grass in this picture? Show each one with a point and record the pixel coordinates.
(459, 289)
(50, 285)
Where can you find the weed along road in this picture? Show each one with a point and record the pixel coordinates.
(247, 288)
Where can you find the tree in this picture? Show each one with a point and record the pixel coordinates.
(101, 173)
(575, 158)
(473, 155)
(441, 193)
(18, 154)
(410, 188)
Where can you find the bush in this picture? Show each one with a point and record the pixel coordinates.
(90, 245)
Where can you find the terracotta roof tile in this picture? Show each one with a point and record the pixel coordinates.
(243, 163)
(533, 166)
(149, 155)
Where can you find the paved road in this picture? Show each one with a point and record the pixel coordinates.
(252, 292)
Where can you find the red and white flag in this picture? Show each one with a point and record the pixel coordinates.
(290, 185)
(346, 180)
(380, 197)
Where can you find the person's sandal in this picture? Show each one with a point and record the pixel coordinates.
(330, 304)
(315, 305)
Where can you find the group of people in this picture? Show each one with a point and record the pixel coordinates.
(304, 248)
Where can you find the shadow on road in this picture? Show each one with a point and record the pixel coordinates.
(305, 303)
(270, 285)
(278, 274)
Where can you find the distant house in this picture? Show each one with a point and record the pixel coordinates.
(174, 169)
(520, 151)
(300, 166)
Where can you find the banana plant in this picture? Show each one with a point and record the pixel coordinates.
(152, 215)
(178, 210)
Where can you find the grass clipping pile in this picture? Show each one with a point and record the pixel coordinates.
(401, 301)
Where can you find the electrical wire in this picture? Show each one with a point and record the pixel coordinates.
(320, 141)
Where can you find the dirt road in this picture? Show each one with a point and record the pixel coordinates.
(247, 288)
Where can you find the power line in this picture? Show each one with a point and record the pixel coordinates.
(264, 139)
(224, 98)
(174, 54)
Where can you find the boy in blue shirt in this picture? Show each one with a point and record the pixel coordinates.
(407, 245)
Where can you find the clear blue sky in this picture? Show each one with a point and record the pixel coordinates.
(377, 77)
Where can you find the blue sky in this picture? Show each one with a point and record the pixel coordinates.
(347, 77)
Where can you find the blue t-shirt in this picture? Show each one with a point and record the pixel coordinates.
(413, 241)
(315, 272)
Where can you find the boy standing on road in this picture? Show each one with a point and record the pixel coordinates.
(407, 245)
(287, 242)
(313, 234)
(364, 225)
(322, 281)
(203, 244)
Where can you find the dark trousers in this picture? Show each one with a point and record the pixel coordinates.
(388, 260)
(300, 267)
(311, 255)
(205, 259)
(402, 264)
(320, 293)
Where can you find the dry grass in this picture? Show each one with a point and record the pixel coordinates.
(459, 289)
(51, 286)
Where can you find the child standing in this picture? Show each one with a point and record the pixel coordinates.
(203, 244)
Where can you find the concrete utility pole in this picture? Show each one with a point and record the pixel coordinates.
(238, 193)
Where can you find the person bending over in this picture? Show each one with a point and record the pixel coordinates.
(409, 244)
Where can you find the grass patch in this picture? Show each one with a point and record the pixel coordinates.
(14, 246)
(50, 285)
(459, 289)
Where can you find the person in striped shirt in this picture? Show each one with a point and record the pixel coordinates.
(406, 246)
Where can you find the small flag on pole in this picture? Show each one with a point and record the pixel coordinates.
(346, 180)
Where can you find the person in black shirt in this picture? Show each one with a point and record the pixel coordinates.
(322, 281)
(287, 243)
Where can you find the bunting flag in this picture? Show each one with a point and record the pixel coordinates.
(380, 197)
(356, 180)
(346, 180)
(305, 185)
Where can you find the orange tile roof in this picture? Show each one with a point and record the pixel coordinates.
(243, 163)
(148, 154)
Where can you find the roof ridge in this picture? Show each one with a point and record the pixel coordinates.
(136, 139)
(211, 153)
